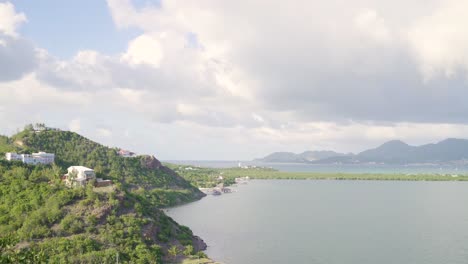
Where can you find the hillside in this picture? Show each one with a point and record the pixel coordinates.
(42, 220)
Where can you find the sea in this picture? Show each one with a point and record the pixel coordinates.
(333, 222)
(343, 168)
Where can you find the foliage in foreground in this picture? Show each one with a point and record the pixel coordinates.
(41, 220)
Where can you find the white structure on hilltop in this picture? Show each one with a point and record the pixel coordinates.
(126, 153)
(35, 158)
(79, 175)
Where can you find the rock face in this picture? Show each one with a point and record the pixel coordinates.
(198, 244)
(150, 162)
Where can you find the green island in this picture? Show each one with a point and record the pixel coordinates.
(44, 221)
(210, 177)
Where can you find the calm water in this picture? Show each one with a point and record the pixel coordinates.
(345, 168)
(305, 221)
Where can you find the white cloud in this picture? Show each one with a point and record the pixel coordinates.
(323, 75)
(74, 125)
(17, 55)
(258, 118)
(104, 132)
(27, 91)
(440, 40)
(145, 49)
(370, 23)
(10, 20)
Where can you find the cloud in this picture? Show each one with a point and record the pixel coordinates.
(440, 41)
(104, 132)
(17, 55)
(10, 20)
(322, 61)
(357, 67)
(74, 125)
(371, 24)
(275, 75)
(144, 49)
(17, 58)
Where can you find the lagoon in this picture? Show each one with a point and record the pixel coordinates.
(336, 168)
(333, 222)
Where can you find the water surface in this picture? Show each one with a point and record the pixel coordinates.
(332, 168)
(328, 222)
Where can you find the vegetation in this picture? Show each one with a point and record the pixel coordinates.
(269, 174)
(207, 177)
(6, 145)
(41, 220)
(159, 185)
(198, 176)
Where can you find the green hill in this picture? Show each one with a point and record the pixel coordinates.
(41, 220)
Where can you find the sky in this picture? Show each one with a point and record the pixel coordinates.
(236, 80)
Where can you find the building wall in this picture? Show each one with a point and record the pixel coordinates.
(35, 158)
(82, 173)
(12, 156)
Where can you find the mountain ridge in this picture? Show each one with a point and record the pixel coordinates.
(304, 157)
(397, 152)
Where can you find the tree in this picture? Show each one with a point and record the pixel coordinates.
(188, 251)
(201, 254)
(72, 177)
(57, 171)
(173, 251)
(29, 127)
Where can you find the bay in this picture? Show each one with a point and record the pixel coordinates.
(333, 222)
(334, 168)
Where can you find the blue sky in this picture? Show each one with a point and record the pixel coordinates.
(64, 27)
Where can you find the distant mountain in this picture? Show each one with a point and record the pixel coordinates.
(395, 151)
(391, 152)
(282, 157)
(398, 152)
(304, 157)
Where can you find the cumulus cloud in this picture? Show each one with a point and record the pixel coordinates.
(144, 49)
(17, 55)
(330, 60)
(10, 20)
(440, 41)
(287, 75)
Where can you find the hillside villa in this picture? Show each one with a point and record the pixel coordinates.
(80, 176)
(126, 153)
(35, 158)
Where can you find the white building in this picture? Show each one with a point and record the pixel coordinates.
(10, 156)
(81, 175)
(44, 158)
(35, 158)
(126, 153)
